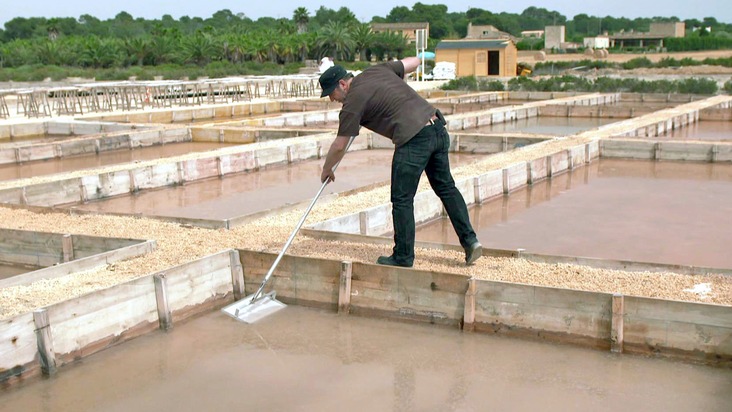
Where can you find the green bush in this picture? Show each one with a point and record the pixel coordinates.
(608, 85)
(697, 86)
(695, 43)
(728, 86)
(485, 85)
(469, 83)
(638, 62)
(37, 72)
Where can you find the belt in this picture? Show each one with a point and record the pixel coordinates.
(432, 120)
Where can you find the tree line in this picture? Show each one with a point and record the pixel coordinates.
(229, 38)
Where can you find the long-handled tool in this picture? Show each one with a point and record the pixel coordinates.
(256, 306)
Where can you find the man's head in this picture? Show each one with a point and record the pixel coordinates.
(330, 81)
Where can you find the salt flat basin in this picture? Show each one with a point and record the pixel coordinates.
(8, 270)
(557, 126)
(708, 130)
(302, 359)
(267, 189)
(662, 212)
(107, 158)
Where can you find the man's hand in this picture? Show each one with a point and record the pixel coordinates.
(335, 154)
(327, 175)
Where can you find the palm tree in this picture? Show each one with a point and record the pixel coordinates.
(363, 39)
(199, 48)
(137, 48)
(335, 40)
(98, 52)
(257, 48)
(49, 52)
(304, 43)
(301, 18)
(163, 48)
(52, 29)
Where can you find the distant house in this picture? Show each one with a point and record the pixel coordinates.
(554, 37)
(480, 58)
(532, 33)
(599, 42)
(408, 30)
(487, 32)
(654, 37)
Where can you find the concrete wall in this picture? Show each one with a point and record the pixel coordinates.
(63, 332)
(62, 254)
(553, 37)
(66, 331)
(94, 144)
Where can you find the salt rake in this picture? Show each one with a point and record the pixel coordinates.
(257, 306)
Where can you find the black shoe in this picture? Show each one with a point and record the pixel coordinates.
(473, 252)
(390, 261)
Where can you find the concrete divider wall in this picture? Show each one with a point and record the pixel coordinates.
(715, 114)
(41, 249)
(18, 348)
(532, 311)
(657, 150)
(610, 112)
(487, 186)
(151, 174)
(51, 193)
(389, 292)
(95, 144)
(23, 129)
(78, 327)
(670, 328)
(515, 176)
(186, 114)
(659, 97)
(231, 163)
(73, 329)
(31, 248)
(376, 220)
(482, 97)
(303, 281)
(697, 330)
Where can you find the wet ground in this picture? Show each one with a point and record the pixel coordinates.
(703, 130)
(306, 360)
(247, 193)
(664, 212)
(8, 270)
(108, 158)
(557, 126)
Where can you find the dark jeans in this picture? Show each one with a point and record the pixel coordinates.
(425, 152)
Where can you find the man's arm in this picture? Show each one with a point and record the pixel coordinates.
(335, 154)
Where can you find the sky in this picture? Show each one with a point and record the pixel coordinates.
(364, 10)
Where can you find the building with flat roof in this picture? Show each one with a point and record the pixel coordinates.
(654, 37)
(480, 58)
(409, 30)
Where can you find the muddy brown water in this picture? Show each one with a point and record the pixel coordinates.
(8, 270)
(663, 212)
(113, 157)
(307, 360)
(247, 193)
(703, 130)
(557, 126)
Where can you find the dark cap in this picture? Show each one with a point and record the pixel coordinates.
(329, 79)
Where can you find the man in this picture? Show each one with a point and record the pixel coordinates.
(380, 100)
